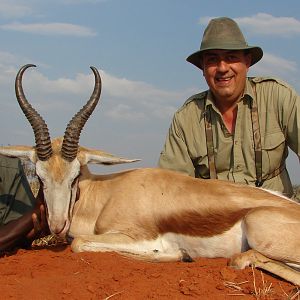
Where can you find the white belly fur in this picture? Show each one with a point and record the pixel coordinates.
(168, 246)
(223, 245)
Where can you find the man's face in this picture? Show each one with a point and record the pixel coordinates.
(225, 72)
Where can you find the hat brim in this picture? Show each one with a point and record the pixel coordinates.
(196, 58)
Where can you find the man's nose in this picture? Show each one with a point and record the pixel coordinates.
(223, 66)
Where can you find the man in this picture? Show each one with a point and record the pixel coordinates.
(22, 217)
(240, 128)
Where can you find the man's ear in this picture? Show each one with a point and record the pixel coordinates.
(248, 58)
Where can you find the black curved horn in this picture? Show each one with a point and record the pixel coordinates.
(71, 138)
(39, 126)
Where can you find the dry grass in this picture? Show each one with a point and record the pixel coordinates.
(265, 290)
(236, 287)
(115, 294)
(260, 289)
(294, 294)
(48, 241)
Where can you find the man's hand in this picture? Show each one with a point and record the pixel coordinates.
(40, 226)
(22, 231)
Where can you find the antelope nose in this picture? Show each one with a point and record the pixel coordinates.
(58, 229)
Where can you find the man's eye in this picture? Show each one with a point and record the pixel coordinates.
(211, 60)
(232, 58)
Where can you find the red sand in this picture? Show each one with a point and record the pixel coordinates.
(57, 273)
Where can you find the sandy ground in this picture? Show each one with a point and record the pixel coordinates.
(57, 273)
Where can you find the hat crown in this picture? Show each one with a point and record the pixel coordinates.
(223, 33)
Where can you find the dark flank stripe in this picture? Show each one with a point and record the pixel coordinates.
(194, 223)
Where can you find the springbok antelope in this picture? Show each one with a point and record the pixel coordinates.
(155, 214)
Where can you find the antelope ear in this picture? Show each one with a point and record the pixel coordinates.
(19, 151)
(100, 157)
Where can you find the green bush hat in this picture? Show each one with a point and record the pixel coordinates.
(224, 34)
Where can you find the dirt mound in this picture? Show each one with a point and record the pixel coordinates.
(57, 273)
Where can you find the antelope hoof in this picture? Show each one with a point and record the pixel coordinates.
(77, 244)
(185, 256)
(242, 260)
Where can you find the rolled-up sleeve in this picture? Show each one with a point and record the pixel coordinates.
(292, 106)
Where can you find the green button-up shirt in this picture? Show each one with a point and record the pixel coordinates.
(278, 104)
(16, 197)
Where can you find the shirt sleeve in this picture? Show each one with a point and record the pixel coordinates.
(16, 197)
(174, 155)
(292, 106)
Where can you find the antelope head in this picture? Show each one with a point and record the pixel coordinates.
(58, 163)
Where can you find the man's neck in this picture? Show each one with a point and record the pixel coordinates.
(229, 117)
(228, 110)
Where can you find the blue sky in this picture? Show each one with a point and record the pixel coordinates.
(140, 47)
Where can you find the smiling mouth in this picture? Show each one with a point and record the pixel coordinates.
(223, 81)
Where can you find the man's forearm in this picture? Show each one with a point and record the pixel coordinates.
(15, 231)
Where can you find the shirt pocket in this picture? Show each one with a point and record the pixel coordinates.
(273, 148)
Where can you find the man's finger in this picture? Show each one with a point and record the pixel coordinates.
(36, 223)
(43, 223)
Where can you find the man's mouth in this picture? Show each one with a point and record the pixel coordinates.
(223, 81)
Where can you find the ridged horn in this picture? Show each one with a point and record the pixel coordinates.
(69, 147)
(39, 126)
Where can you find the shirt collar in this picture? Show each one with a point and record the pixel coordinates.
(249, 93)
